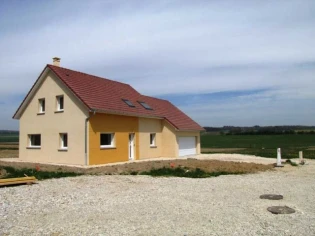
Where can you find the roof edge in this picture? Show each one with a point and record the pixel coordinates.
(70, 89)
(16, 114)
(34, 88)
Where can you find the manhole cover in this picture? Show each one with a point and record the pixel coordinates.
(271, 196)
(280, 210)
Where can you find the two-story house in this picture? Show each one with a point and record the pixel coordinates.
(71, 117)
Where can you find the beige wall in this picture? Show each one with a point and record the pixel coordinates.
(146, 127)
(169, 140)
(50, 124)
(166, 139)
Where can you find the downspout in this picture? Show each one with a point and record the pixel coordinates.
(85, 136)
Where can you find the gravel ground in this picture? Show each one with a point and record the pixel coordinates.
(237, 158)
(143, 205)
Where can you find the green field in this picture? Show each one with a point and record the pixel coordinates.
(262, 145)
(5, 138)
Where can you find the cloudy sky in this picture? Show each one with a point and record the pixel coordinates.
(222, 62)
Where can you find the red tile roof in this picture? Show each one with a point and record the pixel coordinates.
(104, 95)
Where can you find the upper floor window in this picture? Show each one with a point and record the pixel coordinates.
(60, 103)
(41, 105)
(129, 103)
(145, 105)
(34, 140)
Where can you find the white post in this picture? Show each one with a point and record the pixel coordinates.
(279, 157)
(301, 156)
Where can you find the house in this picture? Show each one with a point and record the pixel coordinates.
(69, 117)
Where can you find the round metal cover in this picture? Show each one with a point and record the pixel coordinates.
(280, 210)
(271, 196)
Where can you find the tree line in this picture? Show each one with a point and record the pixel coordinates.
(261, 130)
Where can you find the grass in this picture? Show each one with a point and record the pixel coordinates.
(9, 148)
(182, 172)
(262, 145)
(257, 141)
(40, 175)
(8, 138)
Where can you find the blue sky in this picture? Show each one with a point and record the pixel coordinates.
(222, 62)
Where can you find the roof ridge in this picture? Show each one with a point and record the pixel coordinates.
(106, 95)
(155, 98)
(95, 76)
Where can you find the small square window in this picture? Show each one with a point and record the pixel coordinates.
(34, 140)
(60, 103)
(145, 105)
(64, 141)
(129, 103)
(41, 105)
(152, 140)
(107, 140)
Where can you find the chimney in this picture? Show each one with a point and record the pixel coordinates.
(56, 61)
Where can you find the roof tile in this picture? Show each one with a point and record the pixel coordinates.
(106, 95)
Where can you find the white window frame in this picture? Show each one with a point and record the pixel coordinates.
(58, 103)
(153, 144)
(112, 145)
(40, 106)
(30, 141)
(62, 144)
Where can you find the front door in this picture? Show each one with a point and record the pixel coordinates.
(131, 146)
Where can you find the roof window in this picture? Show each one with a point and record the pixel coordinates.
(129, 103)
(146, 106)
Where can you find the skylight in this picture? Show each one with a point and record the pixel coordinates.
(129, 103)
(146, 106)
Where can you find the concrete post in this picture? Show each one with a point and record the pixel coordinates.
(301, 157)
(279, 157)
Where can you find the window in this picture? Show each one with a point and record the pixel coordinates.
(152, 140)
(146, 106)
(129, 103)
(64, 141)
(60, 103)
(34, 140)
(41, 105)
(107, 140)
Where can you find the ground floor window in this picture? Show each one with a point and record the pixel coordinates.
(64, 141)
(107, 140)
(152, 140)
(34, 140)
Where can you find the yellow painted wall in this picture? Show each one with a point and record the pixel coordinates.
(50, 124)
(121, 126)
(146, 127)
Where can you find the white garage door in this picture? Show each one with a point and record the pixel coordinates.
(187, 146)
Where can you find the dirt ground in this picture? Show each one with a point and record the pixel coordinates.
(207, 164)
(9, 153)
(137, 167)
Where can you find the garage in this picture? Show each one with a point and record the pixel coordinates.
(187, 146)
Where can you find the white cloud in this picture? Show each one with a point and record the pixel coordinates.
(165, 47)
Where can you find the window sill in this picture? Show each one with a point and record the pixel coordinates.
(62, 149)
(153, 146)
(40, 113)
(33, 147)
(59, 111)
(103, 147)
